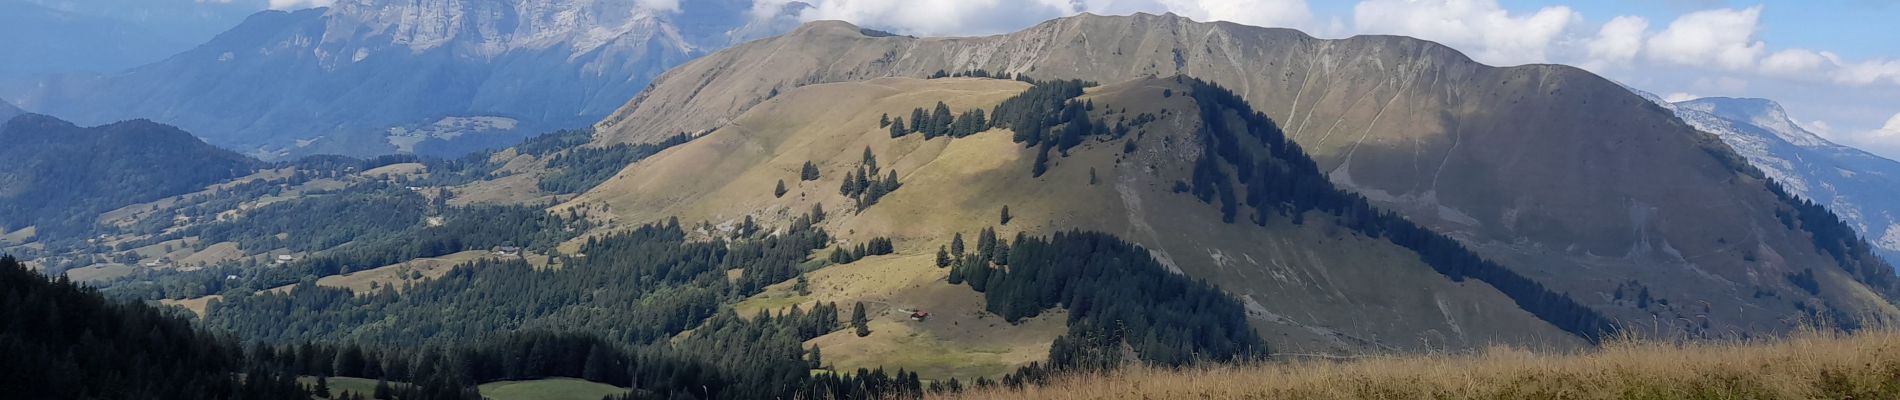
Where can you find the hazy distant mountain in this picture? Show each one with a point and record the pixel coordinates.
(58, 176)
(1557, 173)
(382, 76)
(36, 39)
(7, 111)
(1864, 189)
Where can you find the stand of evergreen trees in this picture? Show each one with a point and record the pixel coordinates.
(61, 340)
(1836, 239)
(676, 283)
(582, 168)
(940, 121)
(366, 227)
(864, 185)
(1112, 289)
(875, 247)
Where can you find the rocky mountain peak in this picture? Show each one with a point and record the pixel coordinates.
(490, 27)
(1763, 113)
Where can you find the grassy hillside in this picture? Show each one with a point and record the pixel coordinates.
(549, 389)
(1811, 365)
(1302, 292)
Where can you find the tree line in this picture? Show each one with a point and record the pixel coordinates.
(1112, 289)
(62, 340)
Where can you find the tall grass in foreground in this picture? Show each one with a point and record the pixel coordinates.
(1812, 364)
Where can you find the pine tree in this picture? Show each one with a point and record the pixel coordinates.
(918, 120)
(779, 191)
(808, 173)
(323, 386)
(383, 391)
(957, 272)
(850, 186)
(943, 257)
(814, 358)
(898, 129)
(940, 120)
(956, 245)
(1005, 216)
(860, 321)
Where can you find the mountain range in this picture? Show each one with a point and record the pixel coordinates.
(368, 77)
(1089, 190)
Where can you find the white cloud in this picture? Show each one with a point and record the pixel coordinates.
(298, 4)
(1484, 30)
(665, 6)
(1721, 38)
(1869, 72)
(1678, 97)
(1891, 131)
(1884, 141)
(1819, 127)
(1798, 63)
(1617, 43)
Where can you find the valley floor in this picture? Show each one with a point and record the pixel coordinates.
(1812, 365)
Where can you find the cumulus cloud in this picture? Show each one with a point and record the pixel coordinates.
(1483, 29)
(1719, 38)
(1869, 72)
(1617, 43)
(1797, 62)
(1884, 141)
(298, 4)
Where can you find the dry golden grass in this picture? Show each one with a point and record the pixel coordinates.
(1808, 365)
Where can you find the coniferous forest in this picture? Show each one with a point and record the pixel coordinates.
(62, 340)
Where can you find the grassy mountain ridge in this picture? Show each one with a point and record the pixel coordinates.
(1301, 296)
(1557, 173)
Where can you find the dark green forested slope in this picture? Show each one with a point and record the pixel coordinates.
(59, 340)
(60, 177)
